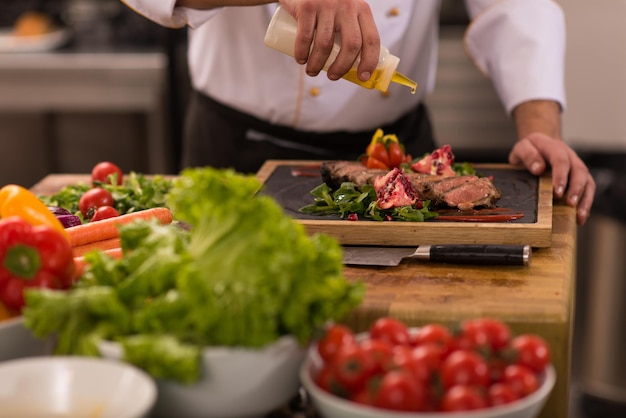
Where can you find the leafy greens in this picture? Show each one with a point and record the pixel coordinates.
(244, 274)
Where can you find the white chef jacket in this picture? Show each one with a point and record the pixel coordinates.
(519, 44)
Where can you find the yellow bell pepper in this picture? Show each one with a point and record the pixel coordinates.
(18, 201)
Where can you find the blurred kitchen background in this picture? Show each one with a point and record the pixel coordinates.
(116, 90)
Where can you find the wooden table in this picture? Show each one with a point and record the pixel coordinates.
(537, 299)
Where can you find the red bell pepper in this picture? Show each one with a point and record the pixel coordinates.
(32, 256)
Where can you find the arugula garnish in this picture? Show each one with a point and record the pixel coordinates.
(349, 199)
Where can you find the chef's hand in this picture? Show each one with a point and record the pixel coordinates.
(537, 151)
(319, 20)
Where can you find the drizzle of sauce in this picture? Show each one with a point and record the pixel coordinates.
(479, 215)
(311, 170)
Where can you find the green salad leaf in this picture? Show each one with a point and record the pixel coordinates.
(350, 199)
(137, 192)
(243, 274)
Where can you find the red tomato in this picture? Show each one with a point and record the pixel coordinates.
(379, 152)
(434, 333)
(335, 336)
(391, 330)
(399, 391)
(352, 366)
(404, 358)
(462, 398)
(104, 212)
(521, 379)
(92, 199)
(500, 394)
(363, 397)
(487, 333)
(376, 163)
(327, 381)
(105, 172)
(430, 354)
(464, 367)
(380, 351)
(395, 152)
(496, 368)
(531, 351)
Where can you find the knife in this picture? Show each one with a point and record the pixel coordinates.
(479, 254)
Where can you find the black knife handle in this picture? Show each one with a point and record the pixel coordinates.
(508, 255)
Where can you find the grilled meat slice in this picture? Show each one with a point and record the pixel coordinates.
(336, 172)
(478, 193)
(462, 192)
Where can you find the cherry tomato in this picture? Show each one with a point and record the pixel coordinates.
(395, 152)
(92, 199)
(531, 351)
(376, 163)
(462, 398)
(379, 152)
(104, 172)
(380, 351)
(104, 212)
(500, 394)
(484, 333)
(399, 391)
(522, 379)
(496, 367)
(404, 358)
(327, 381)
(335, 336)
(434, 333)
(352, 366)
(393, 331)
(430, 354)
(464, 367)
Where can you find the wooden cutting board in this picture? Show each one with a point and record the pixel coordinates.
(290, 183)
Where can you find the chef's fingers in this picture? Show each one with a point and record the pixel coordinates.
(323, 41)
(538, 151)
(586, 201)
(570, 177)
(524, 153)
(581, 188)
(370, 44)
(347, 26)
(306, 19)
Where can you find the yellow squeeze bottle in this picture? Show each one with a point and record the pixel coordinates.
(281, 36)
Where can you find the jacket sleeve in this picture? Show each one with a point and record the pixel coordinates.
(166, 14)
(520, 45)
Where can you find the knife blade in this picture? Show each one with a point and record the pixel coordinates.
(477, 254)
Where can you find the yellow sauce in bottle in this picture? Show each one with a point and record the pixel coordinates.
(374, 79)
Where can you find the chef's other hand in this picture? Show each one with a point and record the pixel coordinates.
(570, 176)
(319, 20)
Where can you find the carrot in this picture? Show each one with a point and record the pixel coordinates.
(97, 245)
(81, 263)
(108, 228)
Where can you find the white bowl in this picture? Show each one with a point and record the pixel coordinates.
(331, 406)
(235, 382)
(73, 387)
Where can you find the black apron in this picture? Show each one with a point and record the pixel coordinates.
(219, 136)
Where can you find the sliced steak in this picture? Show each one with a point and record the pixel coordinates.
(463, 192)
(336, 172)
(434, 190)
(478, 193)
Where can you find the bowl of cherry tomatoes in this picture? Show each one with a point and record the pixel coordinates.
(477, 368)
